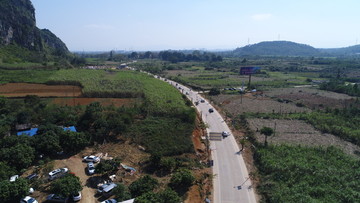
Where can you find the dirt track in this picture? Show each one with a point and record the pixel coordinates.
(76, 166)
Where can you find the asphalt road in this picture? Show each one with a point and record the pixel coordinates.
(231, 178)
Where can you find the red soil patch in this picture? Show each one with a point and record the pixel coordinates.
(41, 90)
(128, 102)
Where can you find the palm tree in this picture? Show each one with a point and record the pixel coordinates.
(267, 132)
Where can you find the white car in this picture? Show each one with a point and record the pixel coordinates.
(13, 178)
(225, 134)
(90, 168)
(76, 197)
(109, 201)
(92, 158)
(28, 199)
(58, 173)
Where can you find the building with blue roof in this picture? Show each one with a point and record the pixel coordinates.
(33, 131)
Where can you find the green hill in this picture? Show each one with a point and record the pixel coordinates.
(277, 48)
(20, 39)
(351, 50)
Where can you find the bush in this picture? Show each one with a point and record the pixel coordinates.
(67, 185)
(143, 185)
(183, 178)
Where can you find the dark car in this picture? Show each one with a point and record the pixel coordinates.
(32, 176)
(211, 110)
(56, 198)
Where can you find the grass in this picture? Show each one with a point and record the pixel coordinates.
(26, 75)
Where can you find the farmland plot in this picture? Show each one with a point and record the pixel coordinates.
(312, 98)
(41, 90)
(298, 132)
(249, 103)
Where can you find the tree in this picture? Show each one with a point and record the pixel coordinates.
(121, 192)
(67, 185)
(6, 171)
(143, 185)
(73, 142)
(48, 143)
(167, 164)
(169, 196)
(107, 166)
(13, 191)
(267, 132)
(20, 155)
(242, 142)
(214, 91)
(149, 197)
(183, 178)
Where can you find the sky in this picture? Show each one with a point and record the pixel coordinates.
(142, 25)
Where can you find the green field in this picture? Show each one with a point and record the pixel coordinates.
(304, 174)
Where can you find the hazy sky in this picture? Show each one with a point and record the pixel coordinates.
(194, 24)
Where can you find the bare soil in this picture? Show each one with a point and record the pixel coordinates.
(255, 103)
(41, 90)
(298, 132)
(312, 98)
(118, 102)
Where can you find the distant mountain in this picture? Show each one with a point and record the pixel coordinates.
(352, 50)
(20, 39)
(277, 48)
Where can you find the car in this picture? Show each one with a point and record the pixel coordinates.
(92, 158)
(101, 188)
(57, 173)
(13, 178)
(109, 201)
(90, 168)
(211, 110)
(108, 191)
(202, 101)
(225, 134)
(32, 176)
(56, 198)
(76, 197)
(28, 199)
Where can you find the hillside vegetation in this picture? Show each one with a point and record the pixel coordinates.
(21, 41)
(276, 48)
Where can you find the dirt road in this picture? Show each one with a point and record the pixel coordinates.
(76, 166)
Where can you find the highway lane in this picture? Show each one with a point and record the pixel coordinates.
(231, 177)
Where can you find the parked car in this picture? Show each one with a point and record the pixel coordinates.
(76, 197)
(109, 201)
(90, 168)
(225, 134)
(211, 110)
(101, 188)
(32, 176)
(13, 178)
(92, 158)
(57, 198)
(57, 173)
(28, 199)
(107, 192)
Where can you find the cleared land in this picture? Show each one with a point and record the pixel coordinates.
(298, 133)
(41, 90)
(311, 97)
(127, 102)
(255, 103)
